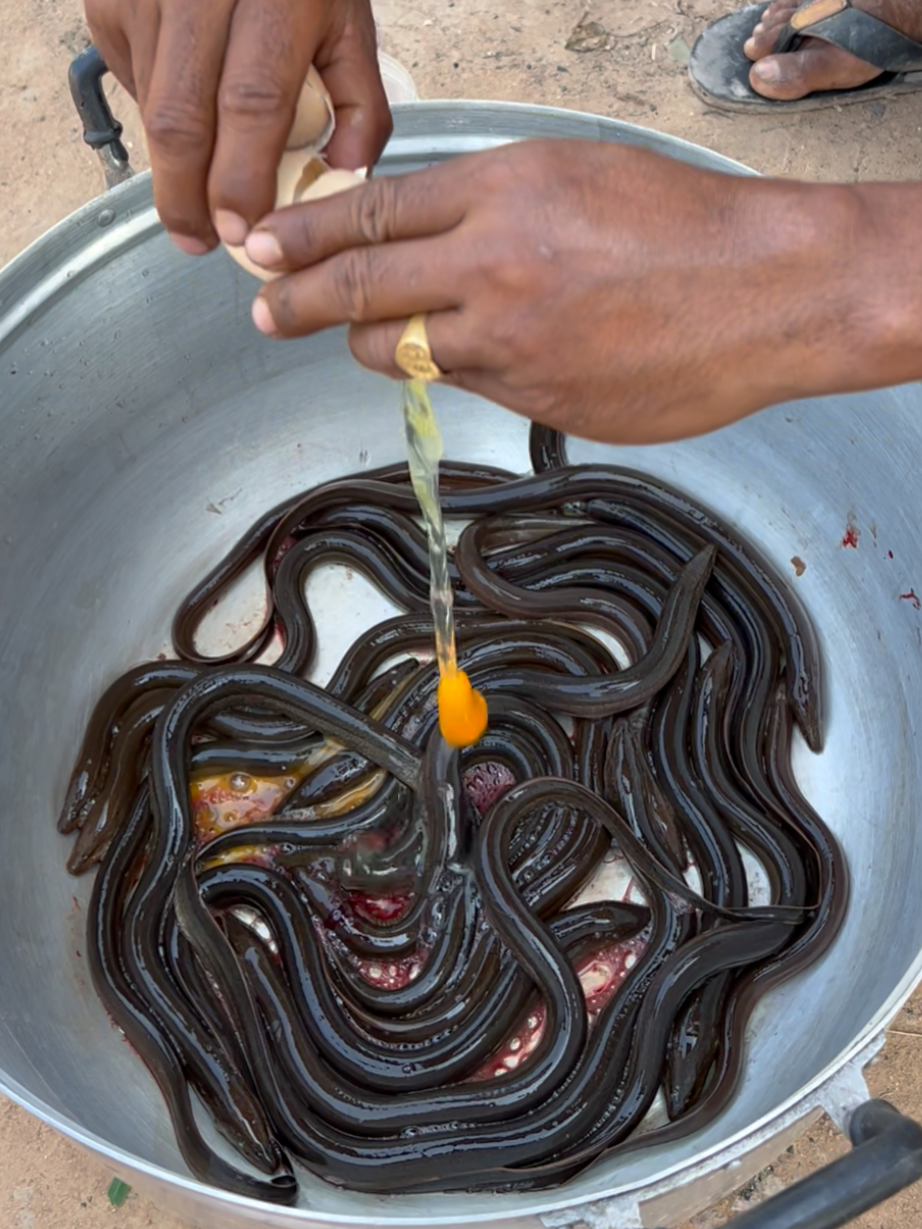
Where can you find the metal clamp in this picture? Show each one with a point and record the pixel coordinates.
(101, 130)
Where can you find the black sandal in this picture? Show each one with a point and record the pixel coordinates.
(719, 68)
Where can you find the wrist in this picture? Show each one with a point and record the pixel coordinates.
(884, 302)
(844, 303)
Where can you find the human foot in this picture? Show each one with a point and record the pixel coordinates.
(816, 65)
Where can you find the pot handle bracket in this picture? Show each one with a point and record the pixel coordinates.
(101, 130)
(886, 1157)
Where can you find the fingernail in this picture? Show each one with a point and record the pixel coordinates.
(767, 70)
(262, 317)
(189, 245)
(263, 248)
(231, 227)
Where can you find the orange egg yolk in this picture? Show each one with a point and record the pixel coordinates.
(462, 710)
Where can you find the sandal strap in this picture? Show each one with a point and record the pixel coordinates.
(868, 38)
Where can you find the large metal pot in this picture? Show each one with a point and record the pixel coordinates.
(144, 423)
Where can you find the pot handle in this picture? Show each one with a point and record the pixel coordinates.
(886, 1157)
(101, 130)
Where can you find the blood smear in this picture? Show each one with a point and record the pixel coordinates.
(600, 974)
(485, 783)
(229, 800)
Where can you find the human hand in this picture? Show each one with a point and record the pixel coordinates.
(600, 289)
(217, 82)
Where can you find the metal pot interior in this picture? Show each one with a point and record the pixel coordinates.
(144, 424)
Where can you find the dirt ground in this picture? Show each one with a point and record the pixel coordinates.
(487, 49)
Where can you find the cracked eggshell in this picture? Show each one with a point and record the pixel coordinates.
(302, 173)
(314, 117)
(301, 179)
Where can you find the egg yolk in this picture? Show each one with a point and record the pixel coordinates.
(462, 710)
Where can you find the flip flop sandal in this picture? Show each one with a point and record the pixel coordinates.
(719, 68)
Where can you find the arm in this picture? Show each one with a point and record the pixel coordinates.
(608, 291)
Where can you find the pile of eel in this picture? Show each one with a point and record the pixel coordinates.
(386, 973)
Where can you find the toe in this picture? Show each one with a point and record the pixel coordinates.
(778, 76)
(814, 67)
(763, 38)
(779, 10)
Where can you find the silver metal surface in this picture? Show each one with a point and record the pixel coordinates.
(144, 423)
(115, 170)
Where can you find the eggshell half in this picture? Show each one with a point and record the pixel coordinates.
(314, 118)
(302, 173)
(301, 179)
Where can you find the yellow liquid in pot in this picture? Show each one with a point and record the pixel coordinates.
(462, 711)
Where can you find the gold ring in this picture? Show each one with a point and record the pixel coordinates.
(413, 355)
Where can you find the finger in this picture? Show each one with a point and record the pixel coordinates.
(271, 46)
(179, 114)
(112, 44)
(374, 346)
(455, 346)
(350, 71)
(459, 348)
(363, 285)
(143, 35)
(382, 211)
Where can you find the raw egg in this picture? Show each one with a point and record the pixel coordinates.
(462, 710)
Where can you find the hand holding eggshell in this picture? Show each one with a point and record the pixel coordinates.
(217, 83)
(605, 290)
(303, 174)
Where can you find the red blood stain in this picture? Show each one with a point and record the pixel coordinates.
(284, 547)
(378, 908)
(600, 974)
(394, 974)
(383, 974)
(913, 597)
(485, 783)
(850, 537)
